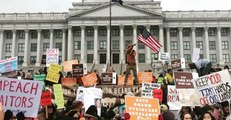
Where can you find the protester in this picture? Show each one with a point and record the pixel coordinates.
(203, 67)
(169, 77)
(186, 116)
(207, 116)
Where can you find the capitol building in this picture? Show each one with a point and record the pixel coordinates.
(83, 33)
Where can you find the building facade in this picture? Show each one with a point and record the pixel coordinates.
(83, 33)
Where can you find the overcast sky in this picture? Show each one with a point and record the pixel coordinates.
(13, 6)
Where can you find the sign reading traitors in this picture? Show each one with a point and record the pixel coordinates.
(21, 95)
(213, 88)
(52, 57)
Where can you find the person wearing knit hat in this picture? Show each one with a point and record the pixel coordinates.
(166, 113)
(91, 113)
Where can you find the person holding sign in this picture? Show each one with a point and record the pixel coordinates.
(131, 63)
(203, 67)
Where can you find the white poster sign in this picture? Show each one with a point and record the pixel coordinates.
(196, 54)
(52, 57)
(173, 98)
(163, 56)
(147, 89)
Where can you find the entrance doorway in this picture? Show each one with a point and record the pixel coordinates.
(102, 58)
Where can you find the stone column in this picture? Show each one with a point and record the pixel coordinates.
(220, 55)
(147, 49)
(70, 44)
(161, 37)
(193, 38)
(108, 43)
(64, 45)
(83, 53)
(1, 43)
(122, 55)
(206, 43)
(96, 44)
(25, 63)
(181, 42)
(13, 43)
(38, 58)
(135, 41)
(51, 38)
(168, 41)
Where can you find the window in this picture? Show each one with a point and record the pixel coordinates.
(201, 56)
(77, 33)
(128, 32)
(33, 47)
(58, 34)
(32, 59)
(115, 32)
(154, 32)
(174, 45)
(77, 56)
(140, 45)
(226, 57)
(58, 46)
(141, 58)
(103, 45)
(199, 31)
(224, 31)
(127, 43)
(213, 58)
(33, 34)
(90, 45)
(21, 47)
(212, 45)
(225, 45)
(186, 32)
(77, 45)
(173, 32)
(187, 57)
(186, 45)
(9, 35)
(102, 32)
(90, 32)
(7, 57)
(154, 56)
(212, 32)
(90, 58)
(46, 46)
(8, 47)
(21, 34)
(199, 44)
(46, 34)
(115, 44)
(20, 59)
(174, 56)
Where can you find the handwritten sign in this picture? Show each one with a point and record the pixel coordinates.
(213, 88)
(69, 81)
(46, 98)
(58, 92)
(178, 63)
(52, 57)
(147, 89)
(173, 98)
(89, 80)
(53, 73)
(108, 78)
(21, 95)
(145, 77)
(129, 80)
(141, 108)
(163, 56)
(67, 65)
(195, 55)
(8, 65)
(184, 79)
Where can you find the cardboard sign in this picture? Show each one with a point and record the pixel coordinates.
(89, 80)
(213, 88)
(178, 63)
(164, 56)
(147, 89)
(52, 57)
(21, 95)
(44, 59)
(184, 79)
(195, 55)
(69, 81)
(145, 77)
(77, 70)
(142, 108)
(173, 98)
(53, 73)
(8, 65)
(45, 98)
(108, 78)
(67, 65)
(58, 92)
(121, 80)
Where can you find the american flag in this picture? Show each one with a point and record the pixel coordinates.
(146, 38)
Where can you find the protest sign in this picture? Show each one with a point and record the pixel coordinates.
(89, 80)
(141, 108)
(39, 77)
(52, 57)
(53, 73)
(184, 79)
(213, 88)
(145, 77)
(69, 81)
(163, 56)
(121, 80)
(45, 98)
(67, 65)
(44, 58)
(8, 65)
(195, 55)
(178, 63)
(188, 97)
(108, 78)
(21, 95)
(58, 92)
(158, 93)
(77, 70)
(173, 98)
(147, 89)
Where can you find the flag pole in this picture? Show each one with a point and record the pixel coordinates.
(110, 34)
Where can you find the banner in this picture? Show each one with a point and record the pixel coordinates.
(213, 88)
(178, 63)
(67, 65)
(173, 98)
(141, 108)
(52, 57)
(163, 56)
(195, 55)
(147, 89)
(108, 78)
(184, 79)
(145, 77)
(89, 80)
(69, 81)
(21, 95)
(53, 73)
(58, 92)
(45, 98)
(8, 65)
(121, 79)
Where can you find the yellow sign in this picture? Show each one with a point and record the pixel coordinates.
(53, 73)
(58, 92)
